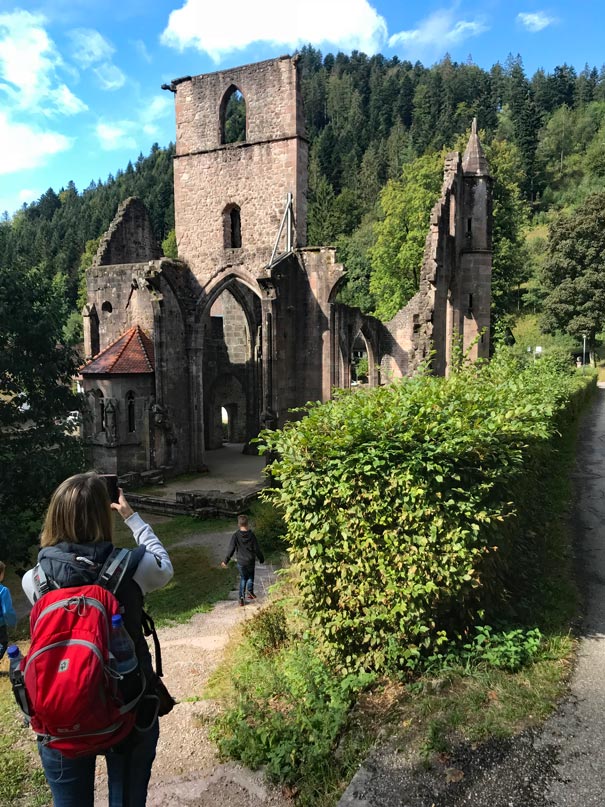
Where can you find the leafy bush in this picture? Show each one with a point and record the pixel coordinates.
(412, 509)
(267, 630)
(268, 526)
(289, 712)
(505, 650)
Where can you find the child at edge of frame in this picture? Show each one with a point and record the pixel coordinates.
(245, 546)
(8, 617)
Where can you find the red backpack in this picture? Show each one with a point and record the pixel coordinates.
(79, 704)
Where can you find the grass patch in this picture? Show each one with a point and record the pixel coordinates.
(22, 782)
(197, 584)
(174, 529)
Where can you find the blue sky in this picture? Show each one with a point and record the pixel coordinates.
(80, 79)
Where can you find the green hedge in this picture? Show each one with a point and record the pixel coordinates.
(411, 509)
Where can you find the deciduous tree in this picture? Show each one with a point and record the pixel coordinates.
(37, 449)
(574, 271)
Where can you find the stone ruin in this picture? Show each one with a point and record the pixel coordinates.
(185, 354)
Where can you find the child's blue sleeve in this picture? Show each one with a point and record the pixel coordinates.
(8, 612)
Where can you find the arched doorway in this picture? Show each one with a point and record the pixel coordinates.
(359, 361)
(362, 362)
(230, 366)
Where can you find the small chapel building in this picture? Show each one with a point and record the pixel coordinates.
(185, 354)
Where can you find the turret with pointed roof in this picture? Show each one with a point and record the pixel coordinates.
(474, 160)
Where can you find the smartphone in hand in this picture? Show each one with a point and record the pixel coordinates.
(111, 482)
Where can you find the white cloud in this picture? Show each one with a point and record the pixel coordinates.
(536, 22)
(67, 102)
(437, 32)
(113, 136)
(89, 47)
(159, 107)
(27, 195)
(345, 24)
(141, 49)
(121, 134)
(26, 146)
(29, 61)
(109, 76)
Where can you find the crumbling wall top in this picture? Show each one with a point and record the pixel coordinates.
(130, 238)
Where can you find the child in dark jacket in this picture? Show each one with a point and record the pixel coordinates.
(245, 546)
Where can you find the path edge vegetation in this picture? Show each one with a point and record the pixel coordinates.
(430, 592)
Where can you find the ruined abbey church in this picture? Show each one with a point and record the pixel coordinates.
(245, 326)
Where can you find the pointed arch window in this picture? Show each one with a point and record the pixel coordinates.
(132, 424)
(232, 116)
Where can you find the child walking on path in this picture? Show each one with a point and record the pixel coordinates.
(245, 546)
(8, 617)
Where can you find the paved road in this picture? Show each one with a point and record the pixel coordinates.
(563, 764)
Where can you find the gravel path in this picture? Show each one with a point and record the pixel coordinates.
(187, 771)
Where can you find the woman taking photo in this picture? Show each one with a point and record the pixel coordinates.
(76, 541)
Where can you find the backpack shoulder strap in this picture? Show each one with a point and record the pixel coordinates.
(113, 570)
(41, 581)
(148, 626)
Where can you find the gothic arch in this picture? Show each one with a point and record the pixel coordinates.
(226, 137)
(226, 361)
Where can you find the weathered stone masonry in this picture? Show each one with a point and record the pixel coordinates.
(245, 326)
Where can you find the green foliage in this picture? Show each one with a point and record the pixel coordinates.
(408, 507)
(267, 631)
(269, 527)
(169, 247)
(574, 271)
(503, 650)
(401, 235)
(22, 781)
(557, 348)
(511, 261)
(289, 713)
(235, 118)
(73, 331)
(38, 449)
(353, 252)
(362, 368)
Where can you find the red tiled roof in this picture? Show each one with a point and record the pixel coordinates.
(130, 353)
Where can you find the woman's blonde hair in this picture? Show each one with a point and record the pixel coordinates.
(79, 512)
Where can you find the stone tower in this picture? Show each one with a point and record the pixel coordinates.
(213, 180)
(472, 318)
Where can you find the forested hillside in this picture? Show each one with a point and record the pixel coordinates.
(378, 128)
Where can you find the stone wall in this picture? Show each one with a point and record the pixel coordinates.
(129, 238)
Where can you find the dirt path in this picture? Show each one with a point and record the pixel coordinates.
(187, 770)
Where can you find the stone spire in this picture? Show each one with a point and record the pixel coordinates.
(474, 161)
